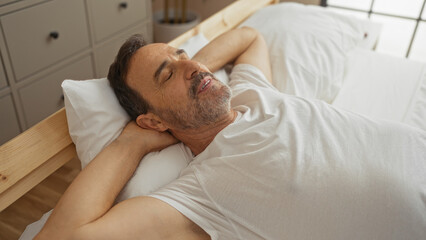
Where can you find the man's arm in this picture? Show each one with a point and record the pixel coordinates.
(241, 45)
(85, 210)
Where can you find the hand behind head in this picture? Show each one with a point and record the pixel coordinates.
(149, 139)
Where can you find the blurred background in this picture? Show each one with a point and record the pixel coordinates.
(403, 23)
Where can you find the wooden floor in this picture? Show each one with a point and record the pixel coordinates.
(36, 202)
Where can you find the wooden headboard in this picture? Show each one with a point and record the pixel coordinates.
(35, 154)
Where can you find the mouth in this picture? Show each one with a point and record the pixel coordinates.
(205, 84)
(201, 83)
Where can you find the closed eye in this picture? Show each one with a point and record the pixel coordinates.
(170, 75)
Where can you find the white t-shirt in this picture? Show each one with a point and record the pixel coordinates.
(291, 168)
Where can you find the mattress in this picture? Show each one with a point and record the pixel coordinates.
(383, 86)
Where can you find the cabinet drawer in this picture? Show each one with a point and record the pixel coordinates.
(110, 16)
(4, 2)
(44, 97)
(9, 127)
(30, 34)
(3, 81)
(105, 55)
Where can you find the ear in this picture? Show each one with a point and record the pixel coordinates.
(151, 121)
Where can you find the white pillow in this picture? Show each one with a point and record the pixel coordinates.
(307, 46)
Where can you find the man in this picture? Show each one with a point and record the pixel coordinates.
(266, 165)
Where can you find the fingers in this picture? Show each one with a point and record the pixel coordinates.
(161, 140)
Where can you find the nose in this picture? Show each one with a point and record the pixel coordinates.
(192, 68)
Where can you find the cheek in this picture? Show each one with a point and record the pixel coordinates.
(170, 99)
(176, 91)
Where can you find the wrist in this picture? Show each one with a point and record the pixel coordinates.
(132, 144)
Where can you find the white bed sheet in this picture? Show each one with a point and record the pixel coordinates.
(32, 229)
(383, 86)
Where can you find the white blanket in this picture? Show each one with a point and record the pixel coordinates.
(383, 86)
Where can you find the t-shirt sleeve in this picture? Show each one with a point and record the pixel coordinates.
(187, 196)
(246, 75)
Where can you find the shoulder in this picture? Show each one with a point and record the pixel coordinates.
(249, 84)
(246, 74)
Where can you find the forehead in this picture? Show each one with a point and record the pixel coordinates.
(144, 63)
(152, 52)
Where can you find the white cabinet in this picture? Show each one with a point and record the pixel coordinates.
(9, 122)
(112, 16)
(44, 96)
(39, 36)
(43, 42)
(3, 82)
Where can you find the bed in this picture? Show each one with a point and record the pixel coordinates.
(357, 79)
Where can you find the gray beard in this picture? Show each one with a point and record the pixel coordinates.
(199, 112)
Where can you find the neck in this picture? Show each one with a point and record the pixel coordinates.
(198, 139)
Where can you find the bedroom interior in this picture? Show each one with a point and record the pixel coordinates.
(31, 190)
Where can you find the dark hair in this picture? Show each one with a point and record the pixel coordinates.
(129, 99)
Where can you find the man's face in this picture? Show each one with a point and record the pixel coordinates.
(182, 92)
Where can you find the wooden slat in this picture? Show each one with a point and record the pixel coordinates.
(35, 177)
(33, 148)
(224, 20)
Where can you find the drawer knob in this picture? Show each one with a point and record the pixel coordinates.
(54, 35)
(123, 5)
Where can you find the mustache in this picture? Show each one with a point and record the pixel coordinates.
(196, 82)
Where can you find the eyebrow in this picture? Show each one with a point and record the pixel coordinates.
(164, 64)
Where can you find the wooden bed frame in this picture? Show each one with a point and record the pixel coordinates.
(35, 154)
